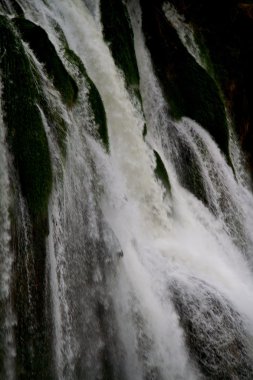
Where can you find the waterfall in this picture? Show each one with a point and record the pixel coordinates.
(184, 31)
(7, 319)
(125, 275)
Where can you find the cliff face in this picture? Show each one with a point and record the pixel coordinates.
(224, 34)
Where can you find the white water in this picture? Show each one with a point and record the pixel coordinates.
(6, 257)
(218, 181)
(184, 31)
(102, 204)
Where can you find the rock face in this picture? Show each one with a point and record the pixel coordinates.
(161, 172)
(26, 133)
(46, 53)
(115, 18)
(28, 143)
(213, 330)
(228, 35)
(225, 32)
(189, 88)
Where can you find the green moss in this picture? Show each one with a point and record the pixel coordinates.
(161, 172)
(74, 60)
(46, 53)
(94, 99)
(26, 134)
(118, 33)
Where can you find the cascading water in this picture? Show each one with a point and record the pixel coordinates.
(142, 280)
(6, 314)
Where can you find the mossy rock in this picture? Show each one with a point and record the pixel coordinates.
(26, 134)
(28, 143)
(56, 121)
(161, 172)
(33, 331)
(226, 31)
(45, 52)
(189, 89)
(94, 98)
(189, 173)
(97, 107)
(119, 35)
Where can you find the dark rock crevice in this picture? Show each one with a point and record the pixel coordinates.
(189, 89)
(226, 31)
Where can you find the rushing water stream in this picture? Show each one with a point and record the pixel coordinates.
(142, 282)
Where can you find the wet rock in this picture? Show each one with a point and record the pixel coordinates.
(28, 144)
(26, 134)
(95, 102)
(119, 35)
(214, 331)
(226, 30)
(45, 52)
(189, 89)
(161, 172)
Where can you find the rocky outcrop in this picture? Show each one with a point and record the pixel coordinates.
(225, 32)
(189, 89)
(214, 331)
(28, 143)
(45, 52)
(119, 35)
